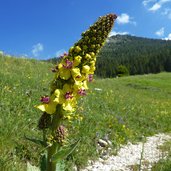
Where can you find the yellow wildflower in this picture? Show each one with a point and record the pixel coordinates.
(85, 69)
(77, 60)
(47, 106)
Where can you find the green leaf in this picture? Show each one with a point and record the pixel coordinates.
(43, 162)
(62, 154)
(37, 141)
(60, 166)
(32, 168)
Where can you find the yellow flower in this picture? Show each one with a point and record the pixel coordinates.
(64, 69)
(92, 54)
(77, 49)
(65, 97)
(59, 96)
(64, 73)
(77, 60)
(49, 107)
(87, 56)
(69, 105)
(85, 69)
(92, 69)
(80, 88)
(77, 76)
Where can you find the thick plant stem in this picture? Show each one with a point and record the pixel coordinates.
(57, 117)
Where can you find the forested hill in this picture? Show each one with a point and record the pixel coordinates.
(125, 54)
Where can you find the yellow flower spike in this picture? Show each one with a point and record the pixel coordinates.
(85, 69)
(70, 82)
(76, 70)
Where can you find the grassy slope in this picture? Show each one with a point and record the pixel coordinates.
(124, 109)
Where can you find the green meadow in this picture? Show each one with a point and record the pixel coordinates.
(121, 109)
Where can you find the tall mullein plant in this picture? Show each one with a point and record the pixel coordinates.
(72, 74)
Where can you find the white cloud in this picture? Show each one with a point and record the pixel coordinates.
(37, 49)
(167, 12)
(146, 2)
(154, 5)
(114, 33)
(160, 32)
(60, 52)
(125, 19)
(168, 37)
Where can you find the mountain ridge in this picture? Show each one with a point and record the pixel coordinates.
(139, 55)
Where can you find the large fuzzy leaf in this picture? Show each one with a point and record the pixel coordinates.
(63, 153)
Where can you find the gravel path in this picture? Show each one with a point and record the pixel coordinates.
(132, 154)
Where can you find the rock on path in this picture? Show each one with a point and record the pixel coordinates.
(132, 154)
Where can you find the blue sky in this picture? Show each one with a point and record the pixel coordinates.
(46, 28)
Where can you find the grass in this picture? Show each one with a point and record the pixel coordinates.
(165, 163)
(122, 109)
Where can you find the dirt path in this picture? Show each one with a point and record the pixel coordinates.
(132, 154)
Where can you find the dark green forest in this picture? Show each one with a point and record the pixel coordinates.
(125, 54)
(130, 55)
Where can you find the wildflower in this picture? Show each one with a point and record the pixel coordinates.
(85, 69)
(45, 99)
(65, 97)
(64, 69)
(61, 134)
(73, 72)
(90, 77)
(77, 76)
(44, 121)
(77, 49)
(77, 60)
(77, 68)
(82, 92)
(87, 56)
(48, 105)
(68, 64)
(64, 54)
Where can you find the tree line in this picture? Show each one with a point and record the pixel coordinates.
(125, 54)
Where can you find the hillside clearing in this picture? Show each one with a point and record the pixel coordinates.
(120, 109)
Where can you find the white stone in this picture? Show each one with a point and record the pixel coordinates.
(131, 154)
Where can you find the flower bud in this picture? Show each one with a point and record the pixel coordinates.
(45, 99)
(61, 134)
(77, 49)
(87, 56)
(77, 60)
(85, 69)
(44, 121)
